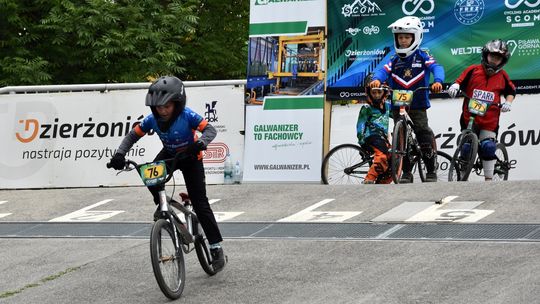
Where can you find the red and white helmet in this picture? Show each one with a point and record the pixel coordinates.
(407, 25)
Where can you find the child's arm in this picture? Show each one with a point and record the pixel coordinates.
(509, 93)
(461, 81)
(361, 124)
(380, 75)
(438, 74)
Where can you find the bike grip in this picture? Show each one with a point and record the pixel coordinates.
(109, 165)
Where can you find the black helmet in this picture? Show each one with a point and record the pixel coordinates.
(370, 99)
(164, 89)
(496, 46)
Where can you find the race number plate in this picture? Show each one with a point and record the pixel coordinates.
(402, 97)
(478, 107)
(153, 173)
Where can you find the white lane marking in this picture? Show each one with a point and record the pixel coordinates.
(447, 211)
(87, 215)
(223, 216)
(308, 215)
(4, 214)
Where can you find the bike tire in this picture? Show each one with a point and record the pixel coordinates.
(399, 150)
(502, 164)
(339, 160)
(167, 260)
(202, 248)
(463, 165)
(443, 165)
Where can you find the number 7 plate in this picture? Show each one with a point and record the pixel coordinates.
(478, 107)
(153, 173)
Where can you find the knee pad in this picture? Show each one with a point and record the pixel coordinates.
(465, 151)
(488, 147)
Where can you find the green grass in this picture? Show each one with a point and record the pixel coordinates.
(10, 293)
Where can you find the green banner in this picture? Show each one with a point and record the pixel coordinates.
(454, 33)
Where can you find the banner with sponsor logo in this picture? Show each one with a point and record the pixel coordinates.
(454, 33)
(286, 48)
(65, 139)
(518, 131)
(284, 140)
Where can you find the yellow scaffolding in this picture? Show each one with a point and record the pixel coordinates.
(283, 54)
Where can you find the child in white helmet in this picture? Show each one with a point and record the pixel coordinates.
(409, 69)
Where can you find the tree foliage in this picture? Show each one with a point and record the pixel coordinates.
(219, 47)
(99, 41)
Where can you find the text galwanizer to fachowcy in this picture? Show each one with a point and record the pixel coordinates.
(277, 132)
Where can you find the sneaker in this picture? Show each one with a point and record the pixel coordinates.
(218, 258)
(406, 178)
(431, 177)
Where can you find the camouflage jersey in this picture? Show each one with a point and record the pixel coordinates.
(372, 121)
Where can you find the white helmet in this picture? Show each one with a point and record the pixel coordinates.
(408, 25)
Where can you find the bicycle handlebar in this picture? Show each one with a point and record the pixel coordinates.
(499, 105)
(179, 157)
(389, 89)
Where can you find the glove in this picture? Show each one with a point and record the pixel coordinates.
(118, 162)
(436, 87)
(506, 107)
(195, 147)
(453, 90)
(375, 84)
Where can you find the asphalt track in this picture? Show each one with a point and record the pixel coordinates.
(287, 243)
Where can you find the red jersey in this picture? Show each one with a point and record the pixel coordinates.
(475, 78)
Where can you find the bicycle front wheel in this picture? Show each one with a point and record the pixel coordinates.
(399, 150)
(502, 165)
(202, 247)
(443, 165)
(461, 165)
(345, 164)
(167, 260)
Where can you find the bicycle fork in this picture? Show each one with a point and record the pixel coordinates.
(164, 208)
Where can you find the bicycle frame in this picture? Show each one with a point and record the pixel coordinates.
(476, 108)
(411, 149)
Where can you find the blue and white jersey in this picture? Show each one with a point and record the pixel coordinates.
(181, 132)
(410, 73)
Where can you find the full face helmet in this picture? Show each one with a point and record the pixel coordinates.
(166, 88)
(499, 47)
(407, 25)
(371, 100)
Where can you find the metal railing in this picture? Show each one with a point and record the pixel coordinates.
(104, 87)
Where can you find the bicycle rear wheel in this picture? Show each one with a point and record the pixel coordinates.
(167, 260)
(461, 165)
(202, 247)
(502, 165)
(399, 150)
(345, 164)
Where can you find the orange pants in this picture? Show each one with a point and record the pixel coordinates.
(380, 166)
